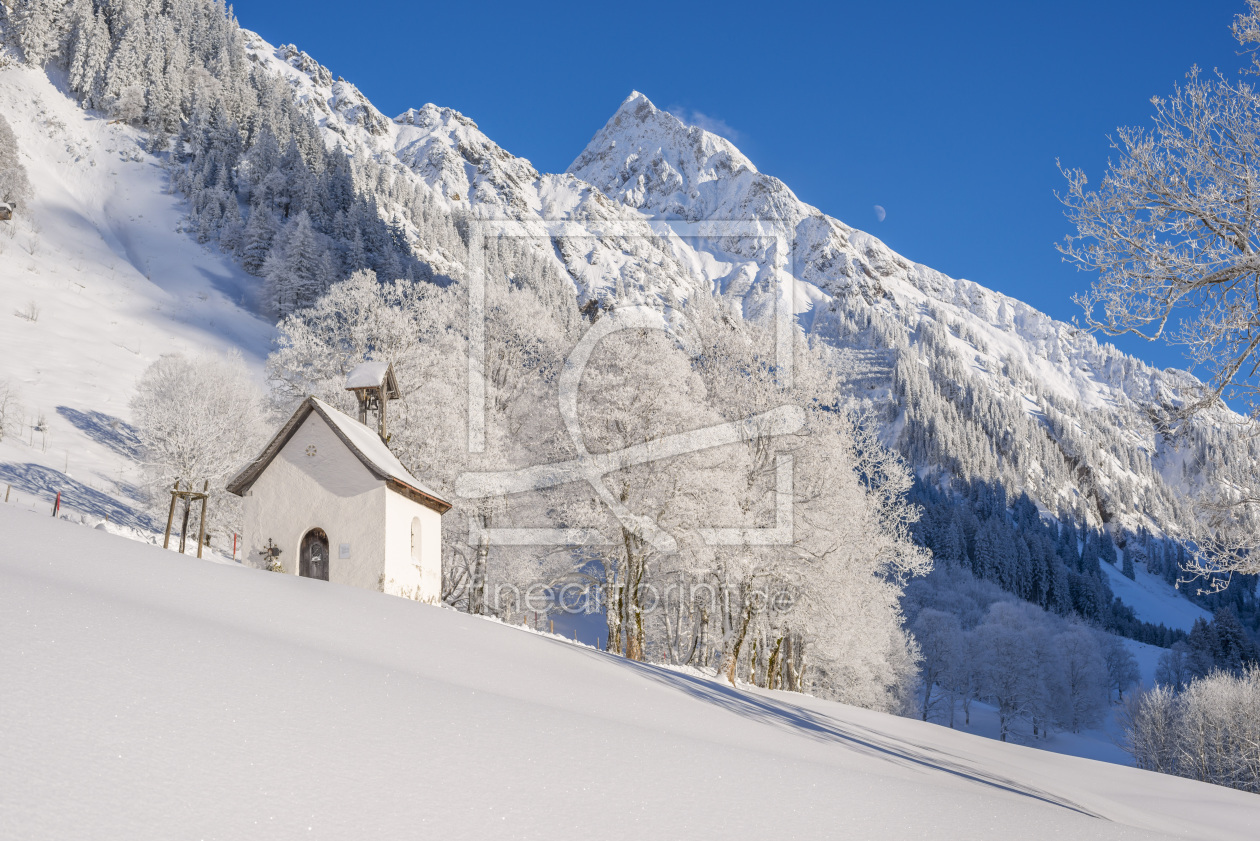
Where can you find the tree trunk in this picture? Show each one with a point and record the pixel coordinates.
(612, 612)
(697, 638)
(738, 633)
(477, 587)
(793, 663)
(632, 598)
(773, 669)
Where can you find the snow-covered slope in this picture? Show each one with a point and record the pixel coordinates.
(153, 696)
(97, 282)
(1154, 599)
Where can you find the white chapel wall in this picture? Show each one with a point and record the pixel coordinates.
(402, 577)
(316, 482)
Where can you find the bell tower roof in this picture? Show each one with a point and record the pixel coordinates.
(374, 385)
(374, 375)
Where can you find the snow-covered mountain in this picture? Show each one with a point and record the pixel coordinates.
(648, 159)
(971, 385)
(999, 392)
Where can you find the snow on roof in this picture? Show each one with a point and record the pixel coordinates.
(362, 440)
(367, 375)
(370, 446)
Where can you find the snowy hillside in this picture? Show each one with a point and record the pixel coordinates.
(145, 692)
(1153, 598)
(98, 280)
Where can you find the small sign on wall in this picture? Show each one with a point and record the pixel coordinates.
(343, 551)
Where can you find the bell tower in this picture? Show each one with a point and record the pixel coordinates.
(374, 385)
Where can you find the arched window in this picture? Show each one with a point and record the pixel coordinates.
(415, 541)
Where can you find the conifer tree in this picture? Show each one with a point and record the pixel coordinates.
(15, 189)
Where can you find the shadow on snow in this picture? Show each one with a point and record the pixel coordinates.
(118, 435)
(790, 717)
(45, 483)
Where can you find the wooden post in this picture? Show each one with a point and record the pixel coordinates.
(170, 517)
(183, 531)
(201, 536)
(7, 488)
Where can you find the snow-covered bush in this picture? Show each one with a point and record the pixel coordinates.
(10, 408)
(1208, 732)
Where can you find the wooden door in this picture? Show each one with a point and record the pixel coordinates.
(314, 561)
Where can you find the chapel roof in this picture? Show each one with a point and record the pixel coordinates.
(361, 440)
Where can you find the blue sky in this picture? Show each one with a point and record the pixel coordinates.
(949, 115)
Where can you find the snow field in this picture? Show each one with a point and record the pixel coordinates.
(149, 695)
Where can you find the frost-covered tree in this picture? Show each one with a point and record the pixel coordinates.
(1006, 654)
(941, 647)
(195, 418)
(1122, 666)
(10, 408)
(1084, 677)
(1171, 231)
(1173, 668)
(638, 388)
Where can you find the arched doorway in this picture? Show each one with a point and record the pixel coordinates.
(314, 560)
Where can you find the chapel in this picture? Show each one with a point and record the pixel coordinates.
(327, 499)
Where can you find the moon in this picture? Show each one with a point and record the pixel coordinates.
(880, 213)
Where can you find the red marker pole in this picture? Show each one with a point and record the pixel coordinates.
(57, 504)
(234, 536)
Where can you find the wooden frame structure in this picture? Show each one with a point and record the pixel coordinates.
(189, 496)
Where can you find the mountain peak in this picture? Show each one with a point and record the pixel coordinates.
(650, 159)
